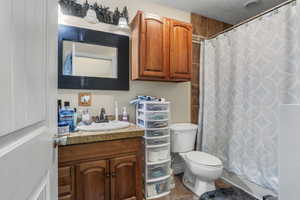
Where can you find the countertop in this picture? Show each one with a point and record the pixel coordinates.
(83, 137)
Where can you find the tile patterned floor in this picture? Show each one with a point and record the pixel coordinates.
(182, 193)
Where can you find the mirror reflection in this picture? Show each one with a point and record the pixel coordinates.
(82, 59)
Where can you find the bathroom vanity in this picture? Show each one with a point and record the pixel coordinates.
(101, 165)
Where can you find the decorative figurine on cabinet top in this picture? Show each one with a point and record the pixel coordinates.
(104, 15)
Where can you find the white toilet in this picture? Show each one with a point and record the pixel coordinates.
(201, 169)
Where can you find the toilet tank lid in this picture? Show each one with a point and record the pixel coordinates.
(183, 127)
(203, 158)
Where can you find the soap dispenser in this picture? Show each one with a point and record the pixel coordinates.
(86, 118)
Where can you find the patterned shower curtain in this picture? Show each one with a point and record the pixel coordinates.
(248, 73)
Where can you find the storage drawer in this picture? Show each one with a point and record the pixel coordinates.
(153, 115)
(157, 132)
(65, 182)
(154, 107)
(158, 188)
(158, 141)
(74, 153)
(153, 124)
(158, 154)
(158, 171)
(66, 197)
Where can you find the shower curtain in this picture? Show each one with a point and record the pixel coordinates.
(248, 72)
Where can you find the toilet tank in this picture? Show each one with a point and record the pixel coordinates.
(183, 137)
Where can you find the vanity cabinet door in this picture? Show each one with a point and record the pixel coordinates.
(92, 180)
(66, 183)
(180, 50)
(154, 49)
(125, 178)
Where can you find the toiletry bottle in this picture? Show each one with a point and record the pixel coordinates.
(75, 118)
(124, 115)
(79, 116)
(58, 110)
(67, 115)
(86, 118)
(63, 128)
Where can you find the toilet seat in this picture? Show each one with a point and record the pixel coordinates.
(202, 158)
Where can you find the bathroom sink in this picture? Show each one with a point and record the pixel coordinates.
(112, 125)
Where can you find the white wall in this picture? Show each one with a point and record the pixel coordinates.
(178, 93)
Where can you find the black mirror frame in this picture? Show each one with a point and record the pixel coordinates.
(88, 36)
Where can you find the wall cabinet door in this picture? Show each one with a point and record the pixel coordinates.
(153, 47)
(180, 50)
(125, 181)
(92, 180)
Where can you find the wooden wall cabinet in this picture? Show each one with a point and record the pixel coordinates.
(101, 171)
(180, 50)
(161, 48)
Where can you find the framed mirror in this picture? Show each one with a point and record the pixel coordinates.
(89, 59)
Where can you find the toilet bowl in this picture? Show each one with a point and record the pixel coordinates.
(201, 169)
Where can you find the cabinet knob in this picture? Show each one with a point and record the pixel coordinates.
(113, 174)
(107, 174)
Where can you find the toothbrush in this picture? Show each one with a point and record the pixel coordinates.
(116, 111)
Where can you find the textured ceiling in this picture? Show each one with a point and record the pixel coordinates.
(230, 11)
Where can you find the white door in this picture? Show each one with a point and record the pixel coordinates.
(28, 160)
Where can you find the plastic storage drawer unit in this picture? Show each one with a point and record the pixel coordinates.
(154, 115)
(158, 171)
(158, 154)
(157, 132)
(158, 188)
(158, 141)
(153, 124)
(154, 106)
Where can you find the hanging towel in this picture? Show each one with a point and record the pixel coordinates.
(68, 66)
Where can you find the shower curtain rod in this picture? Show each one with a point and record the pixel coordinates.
(252, 18)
